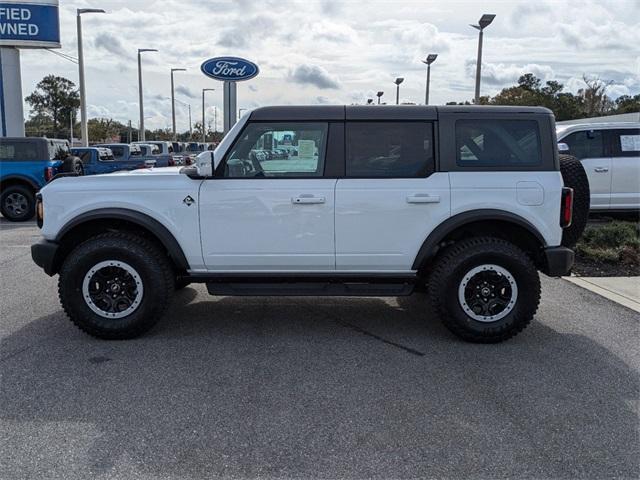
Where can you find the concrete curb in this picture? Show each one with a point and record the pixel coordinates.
(622, 290)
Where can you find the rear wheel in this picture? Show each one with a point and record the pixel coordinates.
(17, 203)
(484, 289)
(575, 177)
(115, 285)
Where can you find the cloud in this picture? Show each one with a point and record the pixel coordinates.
(589, 35)
(306, 74)
(244, 32)
(501, 74)
(111, 44)
(185, 91)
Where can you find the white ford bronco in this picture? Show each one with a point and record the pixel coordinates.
(467, 203)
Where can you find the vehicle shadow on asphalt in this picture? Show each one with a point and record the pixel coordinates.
(313, 387)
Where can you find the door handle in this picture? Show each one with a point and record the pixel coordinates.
(307, 200)
(601, 169)
(423, 198)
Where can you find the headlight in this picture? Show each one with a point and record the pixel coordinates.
(39, 210)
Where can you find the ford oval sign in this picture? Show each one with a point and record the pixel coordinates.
(229, 69)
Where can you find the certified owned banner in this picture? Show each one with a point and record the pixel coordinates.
(29, 23)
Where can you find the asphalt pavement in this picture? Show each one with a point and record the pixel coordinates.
(287, 387)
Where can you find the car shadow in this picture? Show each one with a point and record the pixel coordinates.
(249, 387)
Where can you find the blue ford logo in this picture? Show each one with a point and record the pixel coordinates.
(230, 69)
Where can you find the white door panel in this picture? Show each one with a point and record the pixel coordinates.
(625, 182)
(268, 224)
(382, 223)
(599, 175)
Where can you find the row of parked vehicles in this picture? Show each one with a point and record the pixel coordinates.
(609, 153)
(28, 163)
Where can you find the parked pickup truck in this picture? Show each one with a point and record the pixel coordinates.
(467, 203)
(96, 160)
(26, 165)
(128, 156)
(152, 152)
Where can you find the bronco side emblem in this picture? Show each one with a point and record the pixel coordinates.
(188, 200)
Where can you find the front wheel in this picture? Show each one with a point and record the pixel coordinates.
(18, 203)
(484, 289)
(115, 285)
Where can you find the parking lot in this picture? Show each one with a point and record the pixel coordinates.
(312, 387)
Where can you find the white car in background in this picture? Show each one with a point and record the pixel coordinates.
(610, 154)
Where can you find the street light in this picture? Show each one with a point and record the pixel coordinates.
(379, 94)
(187, 105)
(204, 132)
(430, 59)
(173, 103)
(398, 81)
(141, 130)
(84, 129)
(484, 22)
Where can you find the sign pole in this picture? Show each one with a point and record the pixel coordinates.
(11, 112)
(230, 105)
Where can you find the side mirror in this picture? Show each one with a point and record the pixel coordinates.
(563, 148)
(205, 163)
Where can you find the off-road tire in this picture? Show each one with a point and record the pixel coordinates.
(22, 193)
(73, 164)
(574, 176)
(147, 260)
(456, 261)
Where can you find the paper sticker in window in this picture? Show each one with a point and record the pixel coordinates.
(630, 143)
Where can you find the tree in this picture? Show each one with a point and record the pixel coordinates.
(627, 104)
(54, 100)
(594, 97)
(104, 129)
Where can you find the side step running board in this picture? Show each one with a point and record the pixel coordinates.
(310, 288)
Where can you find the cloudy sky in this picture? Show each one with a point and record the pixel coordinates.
(336, 52)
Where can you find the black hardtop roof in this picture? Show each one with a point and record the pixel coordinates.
(380, 112)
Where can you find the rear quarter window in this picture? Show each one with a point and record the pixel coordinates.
(18, 151)
(497, 143)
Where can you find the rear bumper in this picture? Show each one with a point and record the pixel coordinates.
(558, 261)
(44, 255)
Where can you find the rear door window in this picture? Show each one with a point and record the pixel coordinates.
(586, 144)
(626, 142)
(389, 149)
(497, 143)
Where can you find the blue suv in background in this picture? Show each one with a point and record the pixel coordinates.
(26, 165)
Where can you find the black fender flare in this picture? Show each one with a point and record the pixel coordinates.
(430, 245)
(20, 179)
(143, 220)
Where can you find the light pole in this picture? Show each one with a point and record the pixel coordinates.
(187, 105)
(398, 81)
(484, 22)
(379, 95)
(141, 130)
(430, 59)
(84, 130)
(204, 131)
(173, 103)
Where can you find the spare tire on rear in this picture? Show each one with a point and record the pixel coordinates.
(73, 164)
(575, 177)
